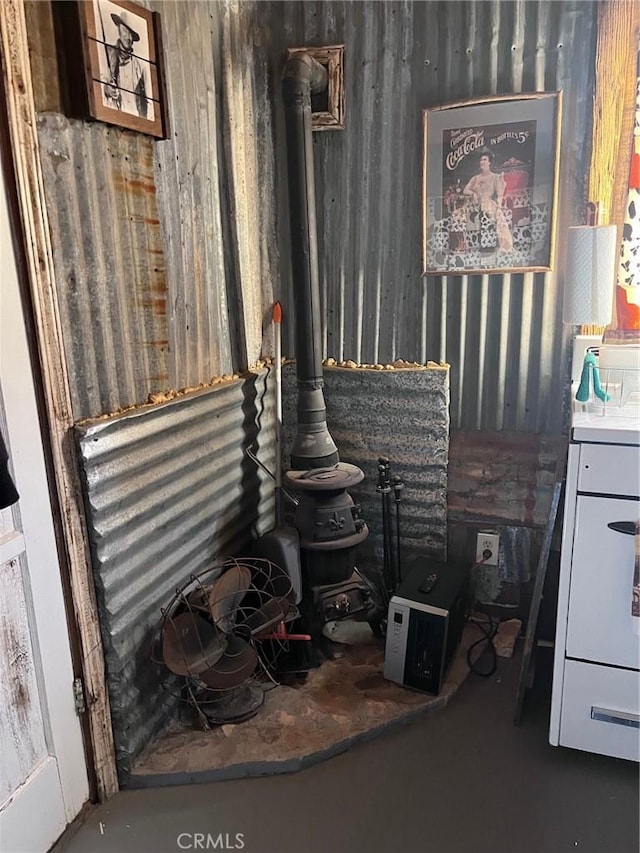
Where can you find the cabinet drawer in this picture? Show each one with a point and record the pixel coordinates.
(600, 710)
(600, 625)
(609, 469)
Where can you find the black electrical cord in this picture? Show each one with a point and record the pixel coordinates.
(487, 637)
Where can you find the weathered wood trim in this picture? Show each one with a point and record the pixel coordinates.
(35, 224)
(613, 106)
(333, 60)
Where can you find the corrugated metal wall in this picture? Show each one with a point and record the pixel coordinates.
(169, 254)
(169, 490)
(216, 179)
(168, 268)
(165, 251)
(189, 171)
(109, 257)
(502, 335)
(404, 416)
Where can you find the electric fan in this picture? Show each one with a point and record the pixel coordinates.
(210, 632)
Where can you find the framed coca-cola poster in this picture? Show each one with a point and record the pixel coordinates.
(490, 182)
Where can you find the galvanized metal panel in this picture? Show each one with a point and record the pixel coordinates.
(502, 334)
(216, 179)
(189, 175)
(400, 414)
(169, 490)
(108, 253)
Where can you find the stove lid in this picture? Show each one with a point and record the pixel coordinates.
(340, 476)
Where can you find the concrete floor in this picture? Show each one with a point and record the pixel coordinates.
(460, 779)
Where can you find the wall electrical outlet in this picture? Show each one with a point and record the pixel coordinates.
(487, 542)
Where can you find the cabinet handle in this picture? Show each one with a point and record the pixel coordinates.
(621, 718)
(623, 527)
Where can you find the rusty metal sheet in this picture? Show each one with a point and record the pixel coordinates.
(42, 48)
(504, 477)
(109, 262)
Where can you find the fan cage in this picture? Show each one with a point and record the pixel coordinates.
(241, 618)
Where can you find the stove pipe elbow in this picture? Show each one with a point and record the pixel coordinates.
(303, 72)
(313, 446)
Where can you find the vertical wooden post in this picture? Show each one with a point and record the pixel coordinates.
(21, 114)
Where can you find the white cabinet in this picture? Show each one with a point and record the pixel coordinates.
(596, 683)
(600, 625)
(600, 709)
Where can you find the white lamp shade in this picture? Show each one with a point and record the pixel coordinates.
(590, 275)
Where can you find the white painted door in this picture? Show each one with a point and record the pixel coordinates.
(43, 776)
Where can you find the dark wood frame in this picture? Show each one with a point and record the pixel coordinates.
(332, 58)
(91, 44)
(507, 107)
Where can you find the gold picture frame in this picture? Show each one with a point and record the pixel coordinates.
(490, 184)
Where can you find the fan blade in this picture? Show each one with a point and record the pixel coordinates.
(225, 596)
(235, 666)
(190, 644)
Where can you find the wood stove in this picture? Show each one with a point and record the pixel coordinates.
(327, 520)
(330, 529)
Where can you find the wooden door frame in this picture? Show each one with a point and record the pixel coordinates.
(11, 193)
(37, 258)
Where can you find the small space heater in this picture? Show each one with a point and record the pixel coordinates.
(426, 617)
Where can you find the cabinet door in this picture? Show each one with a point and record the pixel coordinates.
(600, 626)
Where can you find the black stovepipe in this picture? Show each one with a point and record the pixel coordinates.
(313, 446)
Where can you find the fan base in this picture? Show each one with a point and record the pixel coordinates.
(234, 706)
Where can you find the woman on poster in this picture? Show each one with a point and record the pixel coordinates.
(487, 190)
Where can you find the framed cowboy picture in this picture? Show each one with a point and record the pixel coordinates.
(122, 63)
(490, 181)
